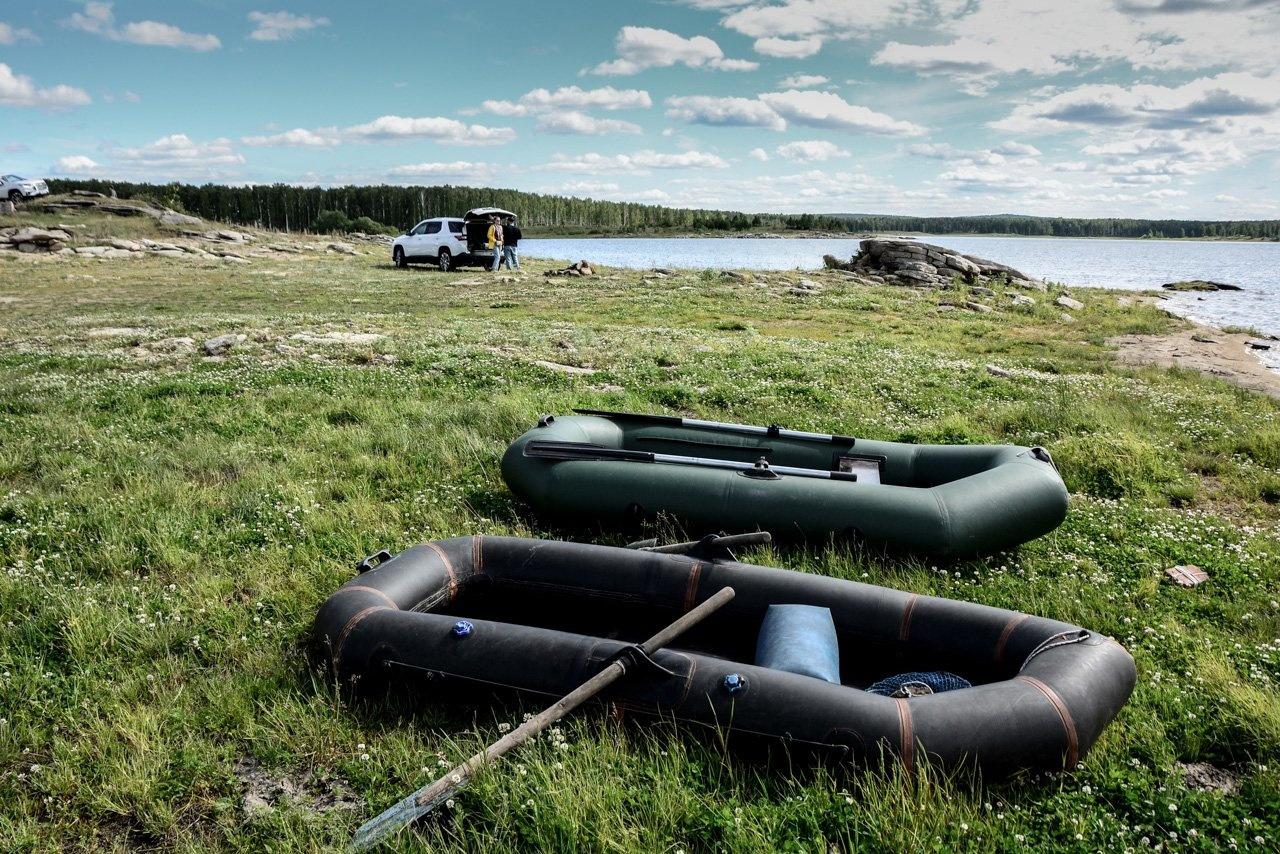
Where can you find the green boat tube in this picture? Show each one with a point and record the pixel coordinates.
(948, 501)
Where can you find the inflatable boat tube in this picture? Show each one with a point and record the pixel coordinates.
(542, 617)
(943, 500)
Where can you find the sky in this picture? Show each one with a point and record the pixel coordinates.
(1143, 108)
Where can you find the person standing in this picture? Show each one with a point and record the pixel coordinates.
(495, 241)
(511, 235)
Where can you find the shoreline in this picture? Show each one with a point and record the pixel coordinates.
(1206, 349)
(906, 235)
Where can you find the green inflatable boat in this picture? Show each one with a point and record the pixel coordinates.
(943, 500)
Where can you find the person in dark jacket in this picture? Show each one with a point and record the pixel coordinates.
(510, 240)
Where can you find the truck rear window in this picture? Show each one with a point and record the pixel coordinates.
(456, 227)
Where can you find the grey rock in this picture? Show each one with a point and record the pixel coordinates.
(1067, 302)
(128, 245)
(977, 306)
(1022, 300)
(29, 248)
(174, 345)
(997, 371)
(221, 344)
(175, 218)
(91, 251)
(981, 291)
(342, 248)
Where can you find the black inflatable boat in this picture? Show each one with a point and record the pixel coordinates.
(543, 616)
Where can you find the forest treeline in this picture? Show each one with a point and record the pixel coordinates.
(292, 208)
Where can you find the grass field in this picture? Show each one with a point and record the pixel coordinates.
(169, 524)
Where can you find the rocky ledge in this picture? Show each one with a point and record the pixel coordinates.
(909, 262)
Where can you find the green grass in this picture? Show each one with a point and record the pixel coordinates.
(169, 525)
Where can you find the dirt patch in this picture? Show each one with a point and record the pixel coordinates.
(1209, 778)
(1205, 349)
(266, 791)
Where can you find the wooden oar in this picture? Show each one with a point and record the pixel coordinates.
(429, 797)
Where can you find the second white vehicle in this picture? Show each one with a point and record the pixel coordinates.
(448, 242)
(17, 189)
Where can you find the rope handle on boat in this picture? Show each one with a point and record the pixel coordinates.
(1061, 639)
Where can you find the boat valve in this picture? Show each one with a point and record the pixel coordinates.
(462, 629)
(735, 683)
(761, 471)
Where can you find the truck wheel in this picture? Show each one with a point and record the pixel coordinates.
(444, 261)
(15, 196)
(397, 257)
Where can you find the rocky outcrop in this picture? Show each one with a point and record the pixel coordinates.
(582, 268)
(30, 240)
(1200, 285)
(909, 262)
(82, 200)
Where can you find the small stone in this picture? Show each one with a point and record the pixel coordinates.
(221, 344)
(982, 292)
(1066, 318)
(1204, 339)
(174, 345)
(1067, 302)
(1188, 575)
(997, 371)
(128, 245)
(977, 306)
(342, 248)
(1258, 345)
(1022, 300)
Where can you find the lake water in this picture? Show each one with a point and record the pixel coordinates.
(1122, 264)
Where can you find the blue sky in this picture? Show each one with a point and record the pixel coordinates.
(1088, 108)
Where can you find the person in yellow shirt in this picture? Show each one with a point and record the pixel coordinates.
(495, 241)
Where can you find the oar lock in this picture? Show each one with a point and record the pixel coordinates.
(761, 471)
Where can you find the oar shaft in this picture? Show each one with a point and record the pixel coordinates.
(737, 465)
(431, 796)
(723, 426)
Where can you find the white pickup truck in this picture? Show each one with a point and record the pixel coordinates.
(17, 189)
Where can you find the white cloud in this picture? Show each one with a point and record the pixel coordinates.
(12, 35)
(574, 122)
(639, 48)
(759, 154)
(75, 164)
(298, 137)
(982, 41)
(455, 169)
(1017, 149)
(439, 129)
(19, 90)
(828, 110)
(825, 18)
(810, 151)
(176, 157)
(788, 48)
(726, 112)
(803, 81)
(587, 187)
(571, 98)
(1212, 103)
(99, 19)
(934, 150)
(282, 26)
(640, 162)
